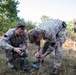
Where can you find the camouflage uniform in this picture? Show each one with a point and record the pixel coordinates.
(55, 35)
(11, 40)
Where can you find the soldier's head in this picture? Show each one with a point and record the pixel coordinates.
(34, 36)
(20, 29)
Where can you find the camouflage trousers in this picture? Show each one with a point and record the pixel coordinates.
(14, 59)
(61, 37)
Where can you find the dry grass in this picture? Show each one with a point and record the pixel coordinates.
(68, 63)
(69, 44)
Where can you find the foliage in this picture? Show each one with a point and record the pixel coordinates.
(8, 14)
(30, 25)
(7, 24)
(69, 26)
(45, 18)
(8, 9)
(9, 18)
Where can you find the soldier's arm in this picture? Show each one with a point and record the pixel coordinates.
(53, 38)
(25, 41)
(5, 42)
(52, 44)
(49, 50)
(37, 47)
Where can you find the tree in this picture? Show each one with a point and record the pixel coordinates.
(8, 14)
(30, 25)
(74, 25)
(69, 26)
(45, 18)
(8, 9)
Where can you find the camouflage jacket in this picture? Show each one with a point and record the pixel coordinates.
(50, 29)
(11, 40)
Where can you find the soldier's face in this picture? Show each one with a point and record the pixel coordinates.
(19, 31)
(39, 38)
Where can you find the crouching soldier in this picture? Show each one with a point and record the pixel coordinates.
(14, 42)
(53, 31)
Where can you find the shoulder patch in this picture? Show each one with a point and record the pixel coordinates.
(5, 36)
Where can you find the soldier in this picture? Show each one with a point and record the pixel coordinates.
(14, 42)
(53, 31)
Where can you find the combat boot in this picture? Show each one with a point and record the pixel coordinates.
(55, 71)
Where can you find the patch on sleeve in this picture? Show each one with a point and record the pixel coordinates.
(5, 36)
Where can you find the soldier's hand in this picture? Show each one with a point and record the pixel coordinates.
(42, 57)
(37, 54)
(18, 50)
(22, 54)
